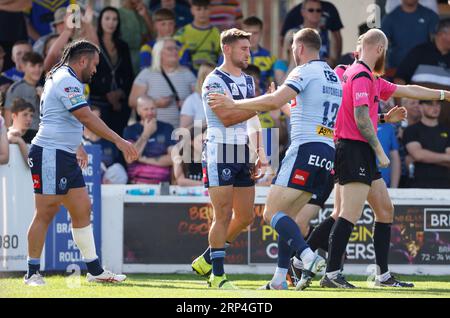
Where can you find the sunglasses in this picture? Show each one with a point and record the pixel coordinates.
(314, 10)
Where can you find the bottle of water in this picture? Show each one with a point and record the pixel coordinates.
(150, 192)
(411, 170)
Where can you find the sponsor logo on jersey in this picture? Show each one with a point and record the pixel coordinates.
(36, 181)
(300, 177)
(72, 90)
(324, 131)
(362, 95)
(293, 102)
(234, 89)
(76, 99)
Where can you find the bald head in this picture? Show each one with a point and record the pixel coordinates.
(374, 37)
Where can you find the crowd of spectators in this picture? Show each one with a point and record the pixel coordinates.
(155, 55)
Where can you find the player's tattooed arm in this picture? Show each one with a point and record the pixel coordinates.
(365, 126)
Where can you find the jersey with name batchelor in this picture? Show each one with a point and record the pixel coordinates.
(59, 128)
(314, 110)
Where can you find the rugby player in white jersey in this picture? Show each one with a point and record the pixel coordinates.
(231, 143)
(56, 158)
(316, 93)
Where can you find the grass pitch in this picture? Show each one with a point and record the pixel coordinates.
(192, 286)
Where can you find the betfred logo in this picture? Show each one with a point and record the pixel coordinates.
(361, 95)
(300, 177)
(36, 181)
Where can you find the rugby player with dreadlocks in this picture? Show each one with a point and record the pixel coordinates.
(56, 158)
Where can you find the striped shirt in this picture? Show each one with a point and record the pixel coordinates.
(224, 13)
(157, 87)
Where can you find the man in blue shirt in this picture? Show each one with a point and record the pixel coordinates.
(388, 140)
(153, 140)
(409, 25)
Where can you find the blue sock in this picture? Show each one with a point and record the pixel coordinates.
(289, 231)
(94, 267)
(217, 260)
(207, 253)
(284, 253)
(34, 264)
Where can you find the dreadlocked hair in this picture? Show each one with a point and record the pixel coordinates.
(72, 51)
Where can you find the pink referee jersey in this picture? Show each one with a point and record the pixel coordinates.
(360, 88)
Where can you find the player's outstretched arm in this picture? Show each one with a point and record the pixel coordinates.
(263, 103)
(97, 126)
(420, 92)
(230, 117)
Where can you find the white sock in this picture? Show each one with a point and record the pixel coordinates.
(333, 275)
(279, 277)
(84, 238)
(307, 256)
(384, 277)
(298, 263)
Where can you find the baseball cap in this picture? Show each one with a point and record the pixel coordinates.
(59, 15)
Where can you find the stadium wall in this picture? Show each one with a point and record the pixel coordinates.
(157, 233)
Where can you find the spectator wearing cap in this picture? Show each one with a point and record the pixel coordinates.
(57, 27)
(112, 163)
(330, 19)
(20, 132)
(407, 26)
(4, 144)
(27, 88)
(428, 143)
(42, 15)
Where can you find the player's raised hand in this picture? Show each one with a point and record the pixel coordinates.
(216, 100)
(396, 114)
(128, 149)
(272, 88)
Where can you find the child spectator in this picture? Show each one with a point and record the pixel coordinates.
(164, 25)
(200, 37)
(27, 88)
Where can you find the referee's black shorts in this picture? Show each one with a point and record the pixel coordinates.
(355, 161)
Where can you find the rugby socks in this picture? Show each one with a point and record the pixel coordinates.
(381, 242)
(289, 231)
(284, 254)
(279, 277)
(217, 260)
(34, 264)
(339, 237)
(207, 253)
(321, 234)
(84, 238)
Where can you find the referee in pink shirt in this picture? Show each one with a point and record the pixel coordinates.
(358, 147)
